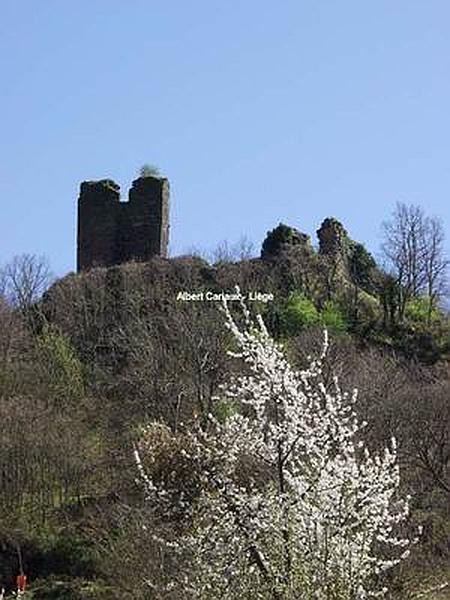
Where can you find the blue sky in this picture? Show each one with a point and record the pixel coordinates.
(258, 112)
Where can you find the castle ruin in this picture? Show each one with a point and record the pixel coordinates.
(111, 232)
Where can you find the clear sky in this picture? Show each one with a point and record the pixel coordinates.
(258, 112)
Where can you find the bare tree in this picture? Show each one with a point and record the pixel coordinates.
(435, 263)
(243, 249)
(413, 248)
(223, 252)
(24, 279)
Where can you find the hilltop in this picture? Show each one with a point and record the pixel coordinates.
(112, 348)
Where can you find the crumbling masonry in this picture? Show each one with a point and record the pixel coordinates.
(111, 232)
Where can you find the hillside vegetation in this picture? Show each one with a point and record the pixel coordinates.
(104, 352)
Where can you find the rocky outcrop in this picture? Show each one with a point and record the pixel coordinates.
(333, 239)
(283, 238)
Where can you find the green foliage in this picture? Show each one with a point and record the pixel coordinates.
(418, 311)
(298, 312)
(332, 317)
(362, 265)
(66, 553)
(55, 588)
(149, 170)
(425, 333)
(60, 366)
(224, 409)
(57, 561)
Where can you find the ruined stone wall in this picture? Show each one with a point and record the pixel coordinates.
(98, 210)
(145, 219)
(111, 232)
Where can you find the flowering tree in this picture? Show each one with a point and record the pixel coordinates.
(288, 502)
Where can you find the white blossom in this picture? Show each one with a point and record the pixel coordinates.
(293, 505)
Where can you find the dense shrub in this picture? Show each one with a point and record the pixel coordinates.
(332, 317)
(418, 311)
(362, 266)
(297, 313)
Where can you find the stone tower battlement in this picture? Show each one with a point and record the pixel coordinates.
(111, 232)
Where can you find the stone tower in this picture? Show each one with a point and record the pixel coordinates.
(111, 232)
